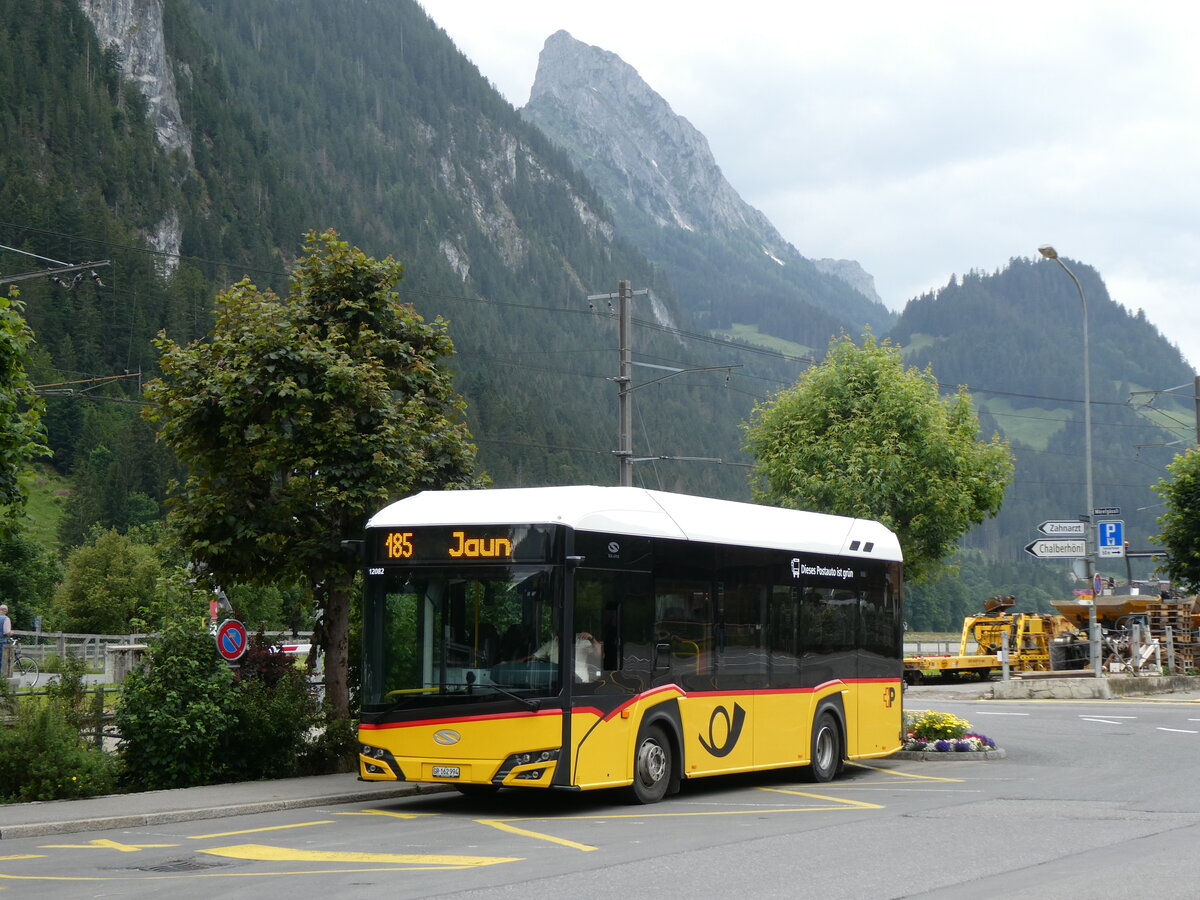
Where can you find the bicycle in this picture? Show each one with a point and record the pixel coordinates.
(23, 666)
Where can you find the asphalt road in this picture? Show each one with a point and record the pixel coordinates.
(1094, 799)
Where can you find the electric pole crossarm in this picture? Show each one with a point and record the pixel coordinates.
(46, 273)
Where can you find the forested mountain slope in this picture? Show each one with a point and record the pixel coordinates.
(1014, 337)
(309, 115)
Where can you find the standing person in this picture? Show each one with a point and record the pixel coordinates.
(5, 639)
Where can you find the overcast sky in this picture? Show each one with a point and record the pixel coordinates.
(921, 139)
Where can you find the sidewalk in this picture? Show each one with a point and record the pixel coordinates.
(1040, 686)
(20, 820)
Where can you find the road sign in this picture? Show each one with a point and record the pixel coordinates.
(1045, 548)
(1063, 529)
(1107, 511)
(231, 639)
(1110, 538)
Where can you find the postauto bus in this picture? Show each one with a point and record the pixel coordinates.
(613, 637)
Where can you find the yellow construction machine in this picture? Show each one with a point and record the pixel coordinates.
(1029, 637)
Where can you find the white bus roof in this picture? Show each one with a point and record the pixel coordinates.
(636, 511)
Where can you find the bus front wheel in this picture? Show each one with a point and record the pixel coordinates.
(652, 766)
(826, 757)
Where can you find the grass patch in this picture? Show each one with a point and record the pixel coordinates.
(47, 501)
(917, 343)
(751, 335)
(1032, 426)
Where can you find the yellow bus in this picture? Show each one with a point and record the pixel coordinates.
(611, 637)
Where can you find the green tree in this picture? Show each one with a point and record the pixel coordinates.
(1180, 524)
(298, 418)
(858, 435)
(22, 437)
(109, 581)
(29, 573)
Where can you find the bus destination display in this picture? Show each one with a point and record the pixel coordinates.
(461, 544)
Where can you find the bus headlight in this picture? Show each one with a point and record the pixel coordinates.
(540, 758)
(378, 761)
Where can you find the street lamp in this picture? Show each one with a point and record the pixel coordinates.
(1089, 563)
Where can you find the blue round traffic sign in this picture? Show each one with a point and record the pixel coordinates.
(231, 639)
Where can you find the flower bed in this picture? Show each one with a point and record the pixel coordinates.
(966, 743)
(937, 732)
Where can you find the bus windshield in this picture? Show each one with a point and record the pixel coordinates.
(481, 632)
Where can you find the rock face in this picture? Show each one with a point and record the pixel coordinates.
(852, 273)
(670, 197)
(136, 27)
(665, 165)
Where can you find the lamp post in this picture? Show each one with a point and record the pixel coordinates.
(1089, 562)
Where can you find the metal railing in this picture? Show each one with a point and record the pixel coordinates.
(92, 648)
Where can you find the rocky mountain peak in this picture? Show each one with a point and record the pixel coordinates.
(669, 196)
(670, 172)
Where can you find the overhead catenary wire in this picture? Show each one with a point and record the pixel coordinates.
(412, 288)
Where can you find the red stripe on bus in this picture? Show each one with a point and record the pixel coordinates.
(637, 698)
(371, 726)
(751, 693)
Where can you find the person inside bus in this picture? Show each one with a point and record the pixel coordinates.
(588, 654)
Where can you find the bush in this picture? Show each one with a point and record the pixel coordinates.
(334, 747)
(43, 755)
(175, 710)
(186, 719)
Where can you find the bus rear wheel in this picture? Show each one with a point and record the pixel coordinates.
(825, 759)
(653, 764)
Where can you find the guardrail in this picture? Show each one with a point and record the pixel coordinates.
(92, 648)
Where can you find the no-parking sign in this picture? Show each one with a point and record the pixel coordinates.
(231, 640)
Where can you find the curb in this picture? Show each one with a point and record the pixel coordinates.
(949, 755)
(165, 817)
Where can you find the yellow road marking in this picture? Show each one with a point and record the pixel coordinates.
(191, 875)
(859, 804)
(201, 837)
(513, 829)
(384, 812)
(506, 824)
(103, 844)
(8, 877)
(24, 856)
(905, 775)
(264, 853)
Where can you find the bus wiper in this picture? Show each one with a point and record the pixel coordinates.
(525, 701)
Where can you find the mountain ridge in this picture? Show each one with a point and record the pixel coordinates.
(729, 264)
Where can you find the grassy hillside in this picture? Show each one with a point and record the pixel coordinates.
(47, 496)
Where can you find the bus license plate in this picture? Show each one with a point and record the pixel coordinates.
(445, 771)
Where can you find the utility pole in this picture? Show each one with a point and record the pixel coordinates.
(625, 382)
(625, 386)
(624, 379)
